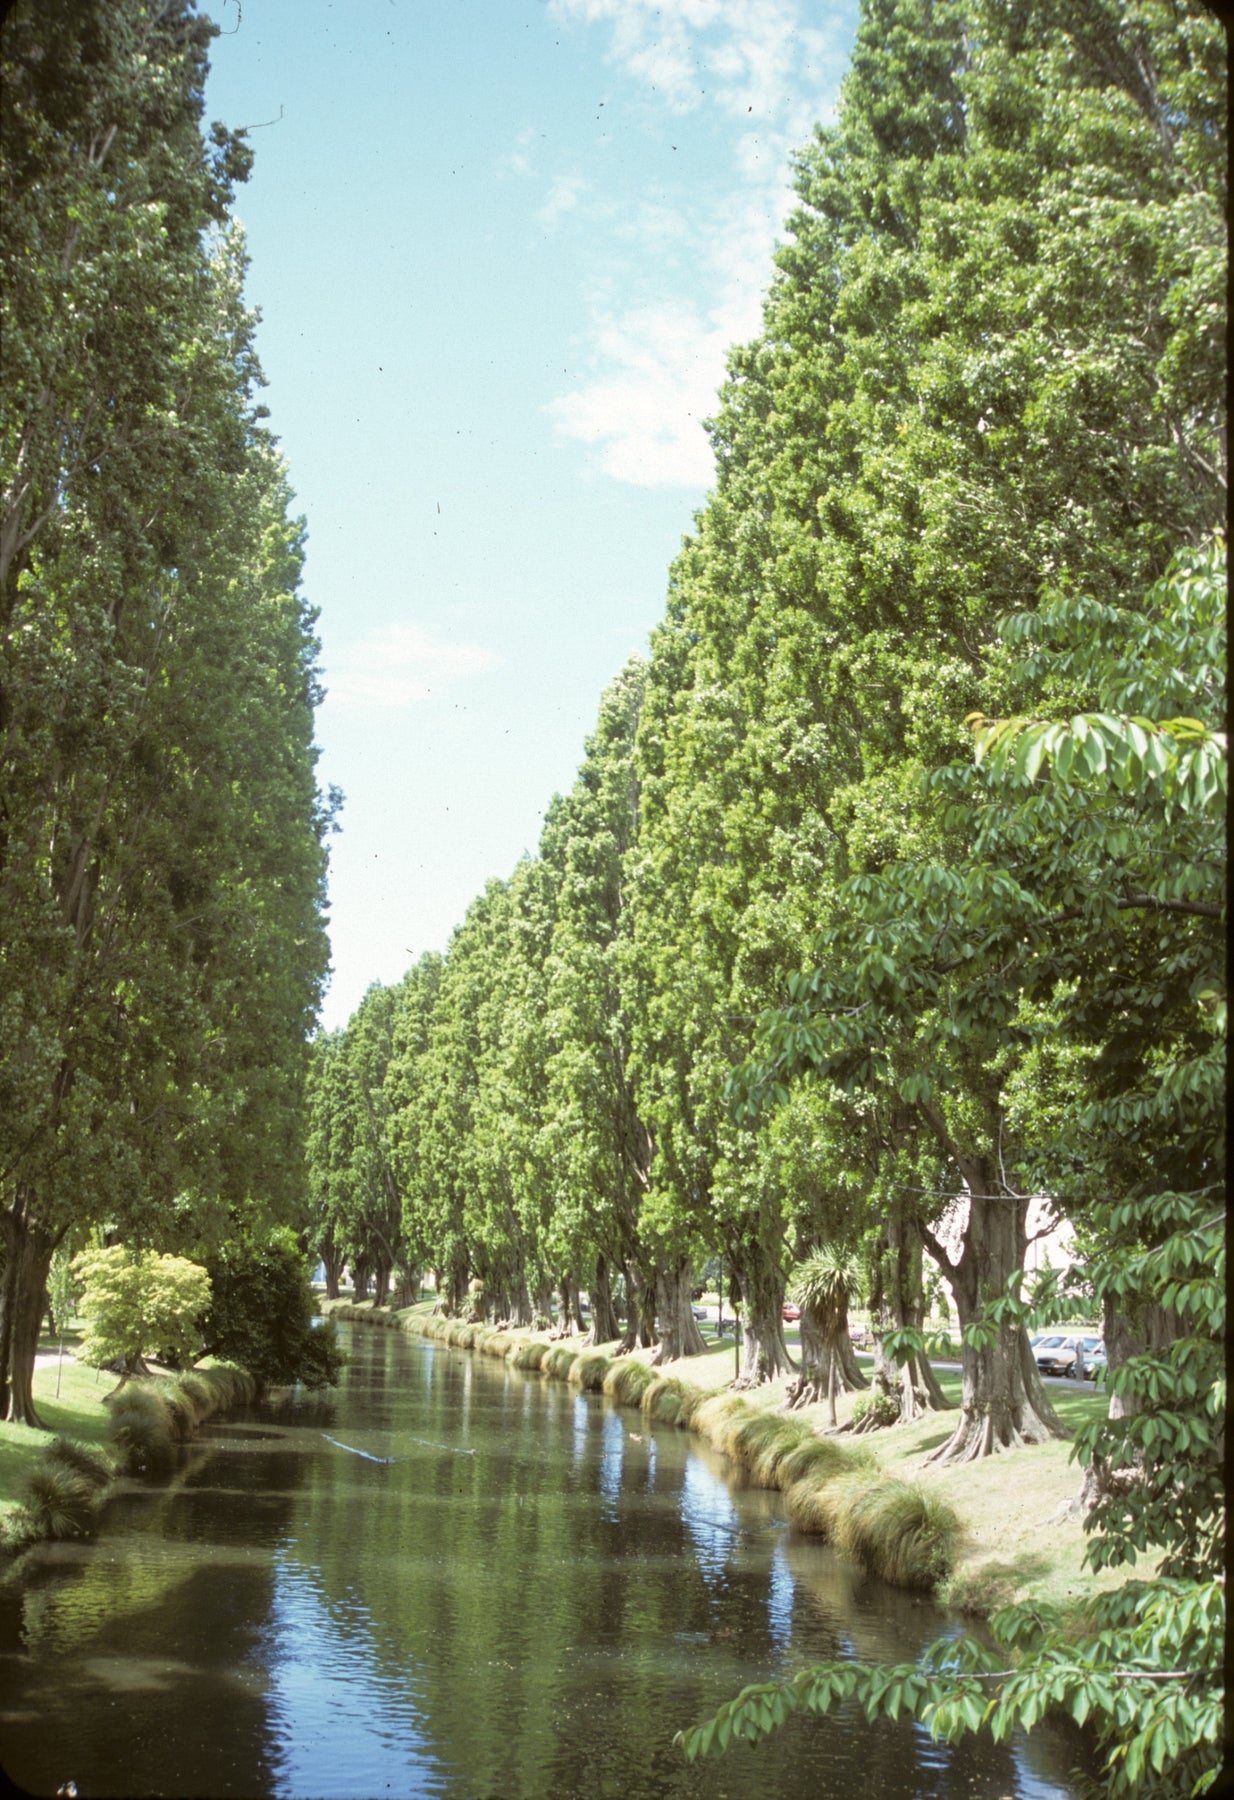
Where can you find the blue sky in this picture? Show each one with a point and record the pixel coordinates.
(500, 248)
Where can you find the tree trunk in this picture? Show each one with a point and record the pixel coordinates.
(1004, 1403)
(635, 1322)
(828, 1363)
(542, 1306)
(604, 1322)
(381, 1282)
(898, 1303)
(679, 1332)
(570, 1318)
(406, 1286)
(764, 1354)
(28, 1250)
(640, 1312)
(360, 1270)
(456, 1284)
(1150, 1332)
(332, 1259)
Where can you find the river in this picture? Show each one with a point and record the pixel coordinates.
(524, 1604)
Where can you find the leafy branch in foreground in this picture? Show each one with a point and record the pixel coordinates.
(1148, 1676)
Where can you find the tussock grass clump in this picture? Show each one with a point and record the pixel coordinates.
(587, 1371)
(982, 1589)
(892, 1528)
(90, 1461)
(198, 1392)
(60, 1502)
(816, 1459)
(763, 1441)
(627, 1381)
(718, 1417)
(528, 1355)
(181, 1416)
(229, 1385)
(669, 1400)
(810, 1505)
(559, 1361)
(142, 1429)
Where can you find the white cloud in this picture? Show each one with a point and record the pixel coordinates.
(743, 55)
(563, 197)
(400, 663)
(657, 356)
(657, 364)
(659, 368)
(518, 161)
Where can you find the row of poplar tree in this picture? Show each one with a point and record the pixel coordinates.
(889, 893)
(162, 862)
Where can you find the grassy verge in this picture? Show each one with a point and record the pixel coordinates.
(53, 1483)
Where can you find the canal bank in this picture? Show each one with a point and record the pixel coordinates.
(449, 1577)
(977, 1536)
(55, 1483)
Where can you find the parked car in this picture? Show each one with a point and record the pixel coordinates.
(1094, 1361)
(1056, 1355)
(792, 1312)
(700, 1312)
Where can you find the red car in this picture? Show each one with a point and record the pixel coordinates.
(792, 1312)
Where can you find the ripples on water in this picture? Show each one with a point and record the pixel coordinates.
(524, 1604)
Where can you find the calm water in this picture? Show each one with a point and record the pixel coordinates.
(526, 1604)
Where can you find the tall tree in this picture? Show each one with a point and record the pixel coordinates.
(990, 374)
(595, 1138)
(161, 836)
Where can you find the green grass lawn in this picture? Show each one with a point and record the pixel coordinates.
(78, 1413)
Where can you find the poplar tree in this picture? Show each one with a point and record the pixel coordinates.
(990, 376)
(161, 836)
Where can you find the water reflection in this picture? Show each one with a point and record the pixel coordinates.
(710, 1518)
(326, 1684)
(524, 1603)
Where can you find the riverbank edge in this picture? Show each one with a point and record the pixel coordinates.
(889, 1527)
(72, 1480)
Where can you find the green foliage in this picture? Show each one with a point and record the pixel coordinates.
(261, 1314)
(1157, 1455)
(163, 946)
(138, 1303)
(1148, 1680)
(63, 1289)
(883, 1405)
(825, 1280)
